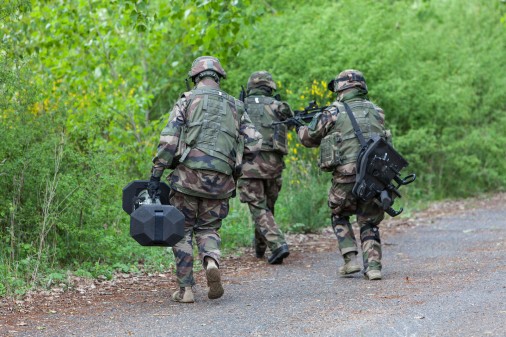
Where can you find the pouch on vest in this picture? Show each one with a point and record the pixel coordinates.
(279, 141)
(329, 152)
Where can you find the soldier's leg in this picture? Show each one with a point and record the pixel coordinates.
(211, 212)
(252, 191)
(369, 216)
(343, 205)
(183, 250)
(272, 188)
(246, 195)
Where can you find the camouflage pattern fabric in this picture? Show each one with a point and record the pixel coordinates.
(203, 183)
(261, 180)
(259, 78)
(340, 199)
(346, 79)
(323, 125)
(261, 196)
(203, 219)
(268, 164)
(369, 215)
(206, 63)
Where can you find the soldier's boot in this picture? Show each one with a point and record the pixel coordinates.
(213, 280)
(373, 274)
(260, 249)
(279, 254)
(350, 264)
(183, 295)
(260, 245)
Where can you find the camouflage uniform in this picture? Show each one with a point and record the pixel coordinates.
(202, 178)
(333, 128)
(261, 179)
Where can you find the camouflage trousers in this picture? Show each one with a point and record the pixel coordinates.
(261, 196)
(203, 219)
(369, 215)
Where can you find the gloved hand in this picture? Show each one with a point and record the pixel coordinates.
(237, 172)
(154, 187)
(295, 122)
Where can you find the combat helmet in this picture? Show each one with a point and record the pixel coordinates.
(260, 78)
(206, 65)
(349, 78)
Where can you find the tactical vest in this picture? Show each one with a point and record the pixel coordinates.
(213, 129)
(341, 146)
(262, 116)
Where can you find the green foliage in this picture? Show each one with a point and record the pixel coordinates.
(428, 66)
(302, 205)
(86, 86)
(237, 228)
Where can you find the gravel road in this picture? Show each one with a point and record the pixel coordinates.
(445, 276)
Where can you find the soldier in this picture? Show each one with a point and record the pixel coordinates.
(261, 179)
(203, 142)
(339, 147)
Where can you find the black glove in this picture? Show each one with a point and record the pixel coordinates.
(154, 187)
(295, 122)
(237, 172)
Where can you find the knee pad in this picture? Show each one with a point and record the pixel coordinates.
(370, 232)
(340, 220)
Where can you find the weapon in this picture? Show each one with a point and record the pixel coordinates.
(153, 222)
(305, 115)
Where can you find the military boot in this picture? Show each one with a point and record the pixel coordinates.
(260, 245)
(260, 249)
(213, 280)
(373, 274)
(350, 264)
(183, 295)
(279, 254)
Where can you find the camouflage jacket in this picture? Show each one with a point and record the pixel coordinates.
(323, 123)
(268, 164)
(199, 182)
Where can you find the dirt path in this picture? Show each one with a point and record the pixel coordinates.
(444, 275)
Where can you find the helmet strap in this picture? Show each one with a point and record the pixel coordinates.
(204, 74)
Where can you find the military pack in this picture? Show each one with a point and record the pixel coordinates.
(213, 129)
(274, 135)
(378, 165)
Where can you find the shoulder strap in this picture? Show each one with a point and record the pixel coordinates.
(358, 132)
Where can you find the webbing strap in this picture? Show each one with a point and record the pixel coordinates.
(356, 128)
(158, 226)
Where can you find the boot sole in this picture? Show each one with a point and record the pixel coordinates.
(279, 258)
(175, 298)
(350, 271)
(375, 278)
(214, 283)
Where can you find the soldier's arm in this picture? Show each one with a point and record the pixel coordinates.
(252, 138)
(169, 139)
(381, 114)
(282, 110)
(312, 134)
